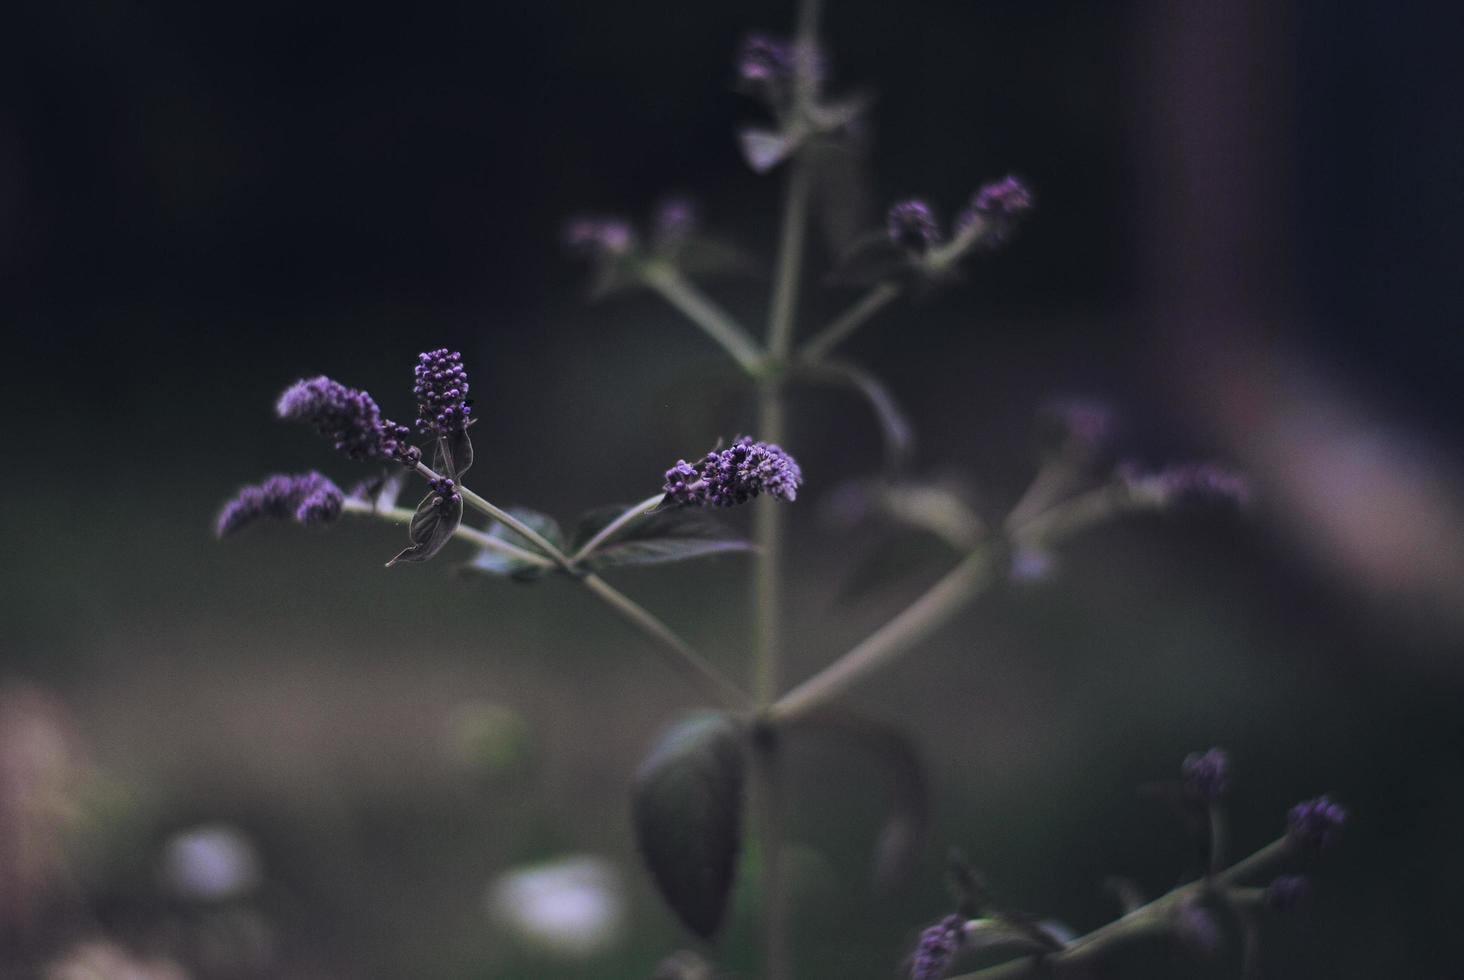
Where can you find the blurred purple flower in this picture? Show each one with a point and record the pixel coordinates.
(1206, 775)
(723, 478)
(763, 59)
(305, 498)
(1316, 824)
(995, 208)
(599, 237)
(937, 948)
(912, 226)
(1288, 891)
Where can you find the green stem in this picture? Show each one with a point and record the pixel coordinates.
(1155, 916)
(402, 515)
(714, 321)
(607, 532)
(686, 658)
(847, 322)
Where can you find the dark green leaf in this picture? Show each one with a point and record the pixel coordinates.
(660, 537)
(687, 811)
(453, 454)
(432, 527)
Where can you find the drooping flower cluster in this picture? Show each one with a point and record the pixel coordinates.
(937, 948)
(724, 478)
(992, 216)
(442, 393)
(1188, 483)
(1206, 775)
(350, 419)
(1288, 891)
(306, 498)
(912, 226)
(1316, 824)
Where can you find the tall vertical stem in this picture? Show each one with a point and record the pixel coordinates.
(768, 526)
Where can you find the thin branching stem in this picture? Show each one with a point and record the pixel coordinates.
(631, 515)
(714, 321)
(685, 658)
(403, 515)
(839, 329)
(1079, 955)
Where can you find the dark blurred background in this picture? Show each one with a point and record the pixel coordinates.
(1247, 241)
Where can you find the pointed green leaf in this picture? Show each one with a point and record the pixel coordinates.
(452, 455)
(663, 536)
(687, 811)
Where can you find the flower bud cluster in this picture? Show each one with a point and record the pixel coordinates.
(442, 393)
(724, 478)
(350, 419)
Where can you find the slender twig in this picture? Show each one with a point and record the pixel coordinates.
(878, 297)
(403, 515)
(714, 321)
(631, 515)
(686, 657)
(1156, 915)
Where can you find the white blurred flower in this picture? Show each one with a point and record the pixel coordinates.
(210, 863)
(574, 906)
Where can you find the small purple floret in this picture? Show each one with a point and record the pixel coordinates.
(1206, 775)
(937, 948)
(1288, 891)
(1316, 824)
(764, 59)
(724, 478)
(305, 498)
(995, 208)
(445, 489)
(676, 220)
(442, 393)
(350, 419)
(599, 237)
(912, 226)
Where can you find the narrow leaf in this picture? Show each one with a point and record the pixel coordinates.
(495, 563)
(687, 812)
(453, 454)
(660, 537)
(432, 527)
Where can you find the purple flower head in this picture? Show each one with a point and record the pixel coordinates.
(1316, 824)
(937, 948)
(445, 489)
(305, 498)
(599, 237)
(1288, 891)
(912, 226)
(442, 393)
(676, 220)
(723, 478)
(349, 418)
(763, 59)
(1206, 775)
(995, 208)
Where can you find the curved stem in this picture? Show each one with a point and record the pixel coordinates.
(819, 346)
(686, 658)
(714, 321)
(506, 519)
(402, 515)
(614, 527)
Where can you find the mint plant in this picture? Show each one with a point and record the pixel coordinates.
(690, 793)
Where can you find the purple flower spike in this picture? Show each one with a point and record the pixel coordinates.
(350, 419)
(1008, 196)
(912, 226)
(937, 948)
(1316, 824)
(676, 220)
(442, 393)
(1206, 775)
(306, 498)
(724, 478)
(994, 211)
(1288, 891)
